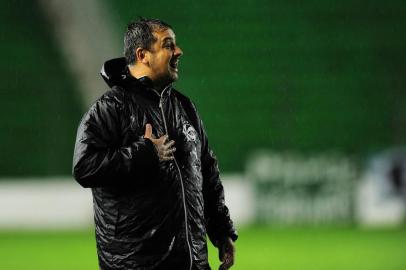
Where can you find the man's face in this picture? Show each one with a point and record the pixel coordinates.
(163, 57)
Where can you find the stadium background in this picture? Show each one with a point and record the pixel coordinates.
(284, 76)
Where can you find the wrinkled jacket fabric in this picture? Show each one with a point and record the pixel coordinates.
(149, 214)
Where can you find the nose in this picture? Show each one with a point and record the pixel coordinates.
(178, 51)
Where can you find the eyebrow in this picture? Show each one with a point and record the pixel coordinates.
(166, 39)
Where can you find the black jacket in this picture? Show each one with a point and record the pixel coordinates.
(149, 214)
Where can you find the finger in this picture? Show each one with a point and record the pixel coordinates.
(228, 262)
(163, 139)
(169, 152)
(148, 131)
(231, 260)
(165, 158)
(169, 144)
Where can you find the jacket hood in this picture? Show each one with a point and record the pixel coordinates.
(114, 71)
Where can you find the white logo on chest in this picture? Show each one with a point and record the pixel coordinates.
(189, 132)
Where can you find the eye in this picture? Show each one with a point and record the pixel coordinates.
(169, 46)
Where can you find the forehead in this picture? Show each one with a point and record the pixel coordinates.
(161, 36)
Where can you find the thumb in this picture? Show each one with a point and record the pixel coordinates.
(148, 131)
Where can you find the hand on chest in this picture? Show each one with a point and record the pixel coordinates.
(168, 121)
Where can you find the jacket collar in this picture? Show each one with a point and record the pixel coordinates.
(115, 72)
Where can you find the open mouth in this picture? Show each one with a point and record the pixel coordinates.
(174, 64)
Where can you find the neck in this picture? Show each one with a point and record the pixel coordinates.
(138, 71)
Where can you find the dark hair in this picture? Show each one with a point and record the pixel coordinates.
(139, 35)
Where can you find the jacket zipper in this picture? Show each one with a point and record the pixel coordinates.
(181, 182)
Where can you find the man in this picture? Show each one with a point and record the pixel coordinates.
(144, 152)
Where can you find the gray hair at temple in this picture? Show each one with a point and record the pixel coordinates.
(139, 34)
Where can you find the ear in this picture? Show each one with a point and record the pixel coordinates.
(142, 56)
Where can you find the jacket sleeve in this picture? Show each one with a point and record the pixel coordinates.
(218, 222)
(99, 158)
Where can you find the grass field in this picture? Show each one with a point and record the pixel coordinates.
(258, 248)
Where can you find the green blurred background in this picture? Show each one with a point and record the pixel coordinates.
(303, 76)
(285, 75)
